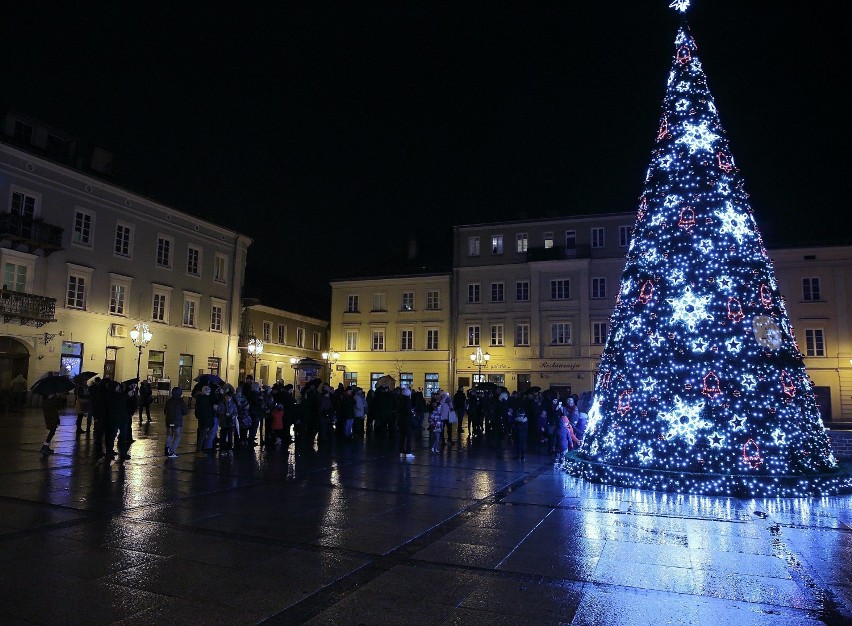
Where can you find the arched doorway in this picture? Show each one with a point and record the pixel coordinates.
(14, 360)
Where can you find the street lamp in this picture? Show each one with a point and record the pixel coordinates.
(293, 362)
(140, 336)
(255, 349)
(480, 358)
(330, 359)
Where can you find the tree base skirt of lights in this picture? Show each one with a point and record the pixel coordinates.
(831, 483)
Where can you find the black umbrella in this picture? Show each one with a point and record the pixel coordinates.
(209, 379)
(52, 384)
(83, 377)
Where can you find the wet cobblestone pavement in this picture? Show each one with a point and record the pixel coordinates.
(354, 535)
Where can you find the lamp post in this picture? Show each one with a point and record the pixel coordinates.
(255, 349)
(293, 362)
(330, 359)
(141, 336)
(480, 358)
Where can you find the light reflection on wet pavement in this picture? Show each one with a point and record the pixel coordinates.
(352, 535)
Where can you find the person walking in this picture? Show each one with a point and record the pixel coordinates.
(460, 405)
(175, 410)
(405, 416)
(50, 412)
(83, 405)
(520, 432)
(146, 397)
(204, 415)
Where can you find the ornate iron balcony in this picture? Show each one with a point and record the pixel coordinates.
(29, 309)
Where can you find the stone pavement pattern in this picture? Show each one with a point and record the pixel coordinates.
(352, 535)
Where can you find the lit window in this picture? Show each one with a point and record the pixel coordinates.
(407, 303)
(473, 246)
(548, 239)
(521, 242)
(497, 244)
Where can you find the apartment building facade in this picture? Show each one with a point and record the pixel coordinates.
(393, 325)
(86, 260)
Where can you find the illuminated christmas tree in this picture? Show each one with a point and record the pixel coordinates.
(702, 387)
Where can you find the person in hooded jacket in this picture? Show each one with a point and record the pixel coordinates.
(405, 416)
(175, 410)
(204, 414)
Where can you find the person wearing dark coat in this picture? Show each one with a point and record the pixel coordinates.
(146, 397)
(204, 414)
(100, 415)
(459, 405)
(118, 421)
(404, 423)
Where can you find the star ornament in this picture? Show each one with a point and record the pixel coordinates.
(680, 5)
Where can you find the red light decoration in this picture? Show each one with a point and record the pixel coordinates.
(751, 454)
(664, 128)
(724, 161)
(683, 55)
(711, 384)
(687, 218)
(765, 296)
(788, 386)
(646, 292)
(624, 401)
(735, 310)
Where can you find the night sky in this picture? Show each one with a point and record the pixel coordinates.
(330, 132)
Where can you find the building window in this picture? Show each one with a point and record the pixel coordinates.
(350, 378)
(190, 310)
(23, 132)
(164, 251)
(570, 239)
(497, 244)
(597, 237)
(599, 288)
(220, 265)
(473, 293)
(193, 261)
(379, 302)
(407, 303)
(83, 228)
(160, 306)
(15, 277)
(216, 318)
(406, 340)
(522, 291)
(548, 239)
(522, 334)
(473, 335)
(406, 380)
(266, 332)
(23, 204)
(156, 363)
(430, 385)
(810, 289)
(522, 242)
(352, 304)
(431, 338)
(123, 240)
(560, 334)
(76, 298)
(473, 246)
(497, 292)
(496, 334)
(559, 289)
(316, 342)
(300, 337)
(378, 340)
(624, 233)
(433, 300)
(351, 340)
(117, 298)
(282, 334)
(814, 342)
(598, 333)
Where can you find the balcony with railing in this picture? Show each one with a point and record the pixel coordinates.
(558, 253)
(27, 308)
(30, 232)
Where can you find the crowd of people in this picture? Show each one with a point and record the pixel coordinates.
(229, 418)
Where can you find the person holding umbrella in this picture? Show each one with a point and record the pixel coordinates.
(50, 411)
